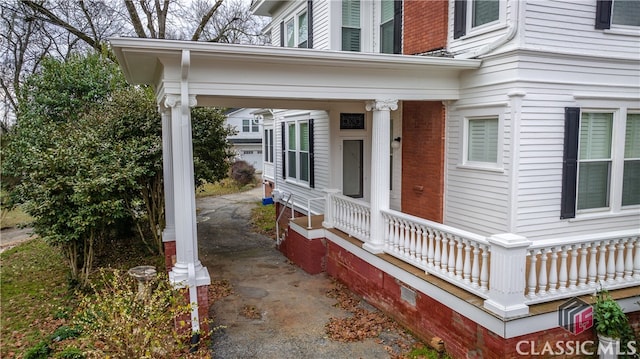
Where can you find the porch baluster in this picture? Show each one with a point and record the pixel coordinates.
(573, 270)
(582, 273)
(466, 271)
(484, 269)
(620, 261)
(563, 277)
(593, 269)
(628, 261)
(459, 257)
(533, 276)
(636, 260)
(426, 238)
(431, 251)
(412, 242)
(445, 253)
(475, 268)
(452, 256)
(553, 271)
(542, 279)
(611, 262)
(602, 263)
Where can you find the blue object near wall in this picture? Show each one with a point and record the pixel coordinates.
(267, 201)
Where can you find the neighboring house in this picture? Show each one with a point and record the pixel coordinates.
(469, 166)
(247, 142)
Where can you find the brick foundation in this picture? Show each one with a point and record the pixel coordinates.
(425, 317)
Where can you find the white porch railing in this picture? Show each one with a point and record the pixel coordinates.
(507, 270)
(566, 267)
(452, 254)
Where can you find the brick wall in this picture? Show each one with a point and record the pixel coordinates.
(169, 255)
(425, 26)
(183, 322)
(423, 159)
(308, 254)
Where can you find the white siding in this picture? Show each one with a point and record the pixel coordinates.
(570, 26)
(321, 25)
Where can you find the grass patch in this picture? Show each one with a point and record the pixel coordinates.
(35, 299)
(263, 220)
(222, 187)
(14, 218)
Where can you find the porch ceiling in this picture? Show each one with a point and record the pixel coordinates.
(276, 77)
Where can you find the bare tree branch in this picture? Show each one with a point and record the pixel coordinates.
(135, 19)
(149, 14)
(205, 19)
(162, 18)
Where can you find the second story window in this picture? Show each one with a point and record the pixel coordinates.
(391, 26)
(297, 30)
(472, 15)
(268, 145)
(351, 25)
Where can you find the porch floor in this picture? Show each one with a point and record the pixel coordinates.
(535, 309)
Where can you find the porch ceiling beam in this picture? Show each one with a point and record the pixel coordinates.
(222, 71)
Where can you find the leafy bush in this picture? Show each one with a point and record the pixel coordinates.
(243, 173)
(71, 353)
(119, 322)
(65, 332)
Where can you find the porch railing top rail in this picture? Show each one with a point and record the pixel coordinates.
(585, 238)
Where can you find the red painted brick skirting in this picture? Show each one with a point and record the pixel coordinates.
(184, 321)
(169, 255)
(428, 318)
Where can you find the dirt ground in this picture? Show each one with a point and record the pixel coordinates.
(275, 309)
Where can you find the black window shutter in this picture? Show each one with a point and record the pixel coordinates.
(283, 147)
(570, 162)
(312, 179)
(459, 18)
(310, 24)
(603, 14)
(282, 34)
(397, 27)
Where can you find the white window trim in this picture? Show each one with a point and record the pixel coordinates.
(488, 27)
(482, 113)
(617, 164)
(296, 26)
(296, 120)
(269, 141)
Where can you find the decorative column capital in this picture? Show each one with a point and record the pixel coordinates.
(382, 105)
(171, 101)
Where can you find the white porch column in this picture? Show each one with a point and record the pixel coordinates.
(184, 198)
(380, 151)
(169, 231)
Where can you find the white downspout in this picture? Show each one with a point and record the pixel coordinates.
(511, 33)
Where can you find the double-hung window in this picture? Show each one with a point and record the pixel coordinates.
(351, 31)
(390, 26)
(601, 161)
(298, 151)
(268, 145)
(481, 142)
(472, 15)
(250, 126)
(297, 30)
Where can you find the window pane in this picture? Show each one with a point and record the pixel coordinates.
(386, 11)
(485, 11)
(291, 164)
(386, 37)
(483, 140)
(350, 39)
(270, 145)
(245, 125)
(292, 136)
(626, 12)
(631, 183)
(304, 136)
(351, 13)
(595, 136)
(304, 166)
(290, 34)
(593, 185)
(266, 145)
(632, 136)
(302, 29)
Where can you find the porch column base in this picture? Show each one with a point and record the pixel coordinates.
(506, 311)
(375, 248)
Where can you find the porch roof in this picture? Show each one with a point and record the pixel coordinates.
(278, 77)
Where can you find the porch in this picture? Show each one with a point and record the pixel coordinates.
(445, 282)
